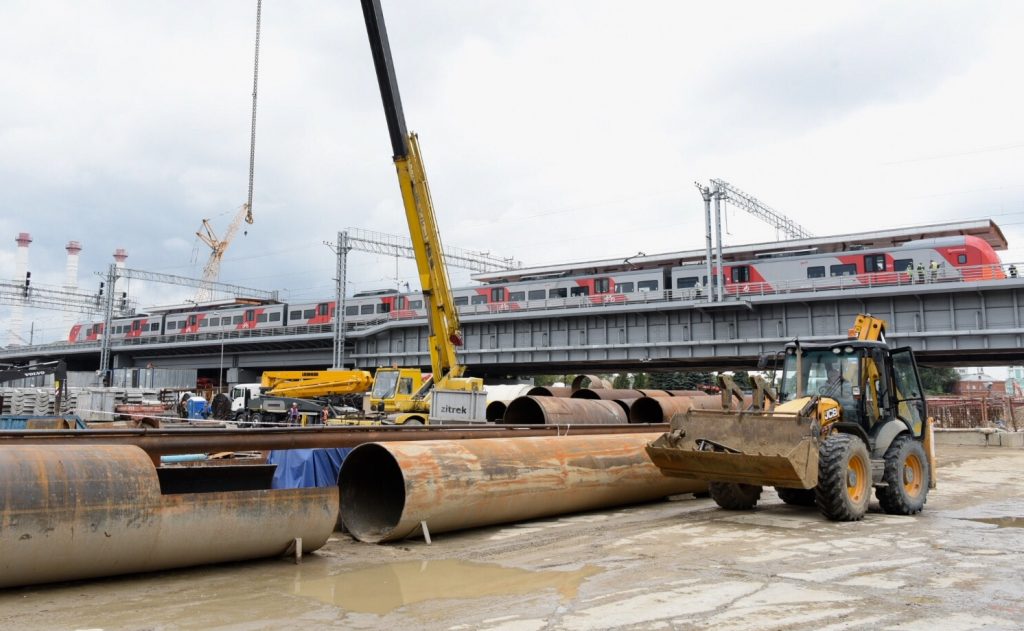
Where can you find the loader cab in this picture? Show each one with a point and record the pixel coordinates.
(855, 374)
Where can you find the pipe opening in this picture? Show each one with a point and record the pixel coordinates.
(646, 410)
(496, 411)
(524, 411)
(372, 492)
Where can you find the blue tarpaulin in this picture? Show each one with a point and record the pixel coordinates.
(304, 468)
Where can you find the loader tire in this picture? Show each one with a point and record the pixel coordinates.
(906, 478)
(734, 496)
(844, 478)
(796, 497)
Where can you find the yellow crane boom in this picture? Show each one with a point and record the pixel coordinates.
(218, 246)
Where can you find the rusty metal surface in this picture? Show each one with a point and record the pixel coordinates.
(663, 409)
(607, 395)
(558, 410)
(389, 488)
(751, 448)
(549, 391)
(166, 441)
(71, 512)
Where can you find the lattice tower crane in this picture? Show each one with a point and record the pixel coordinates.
(211, 271)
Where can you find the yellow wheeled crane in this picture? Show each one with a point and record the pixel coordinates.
(451, 396)
(847, 417)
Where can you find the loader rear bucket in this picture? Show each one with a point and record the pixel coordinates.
(757, 448)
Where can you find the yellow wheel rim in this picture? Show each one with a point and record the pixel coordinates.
(913, 475)
(857, 479)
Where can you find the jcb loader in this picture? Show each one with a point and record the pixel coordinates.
(847, 417)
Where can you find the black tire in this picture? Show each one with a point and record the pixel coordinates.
(221, 406)
(844, 478)
(906, 476)
(796, 497)
(735, 496)
(412, 422)
(255, 419)
(240, 420)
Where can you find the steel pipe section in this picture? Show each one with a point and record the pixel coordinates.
(496, 411)
(74, 512)
(388, 489)
(160, 442)
(549, 391)
(662, 409)
(562, 411)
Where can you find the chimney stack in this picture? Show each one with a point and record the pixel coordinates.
(120, 254)
(20, 270)
(71, 276)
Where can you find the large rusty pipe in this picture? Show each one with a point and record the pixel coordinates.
(549, 391)
(607, 395)
(662, 409)
(71, 512)
(496, 411)
(160, 442)
(388, 489)
(556, 410)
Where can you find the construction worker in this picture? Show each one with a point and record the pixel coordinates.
(293, 414)
(910, 272)
(1012, 270)
(933, 269)
(920, 272)
(324, 414)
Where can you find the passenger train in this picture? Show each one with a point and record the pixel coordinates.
(957, 258)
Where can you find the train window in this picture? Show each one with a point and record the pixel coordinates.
(214, 321)
(236, 320)
(204, 323)
(461, 301)
(580, 291)
(903, 265)
(647, 285)
(516, 296)
(818, 271)
(250, 315)
(323, 309)
(154, 327)
(624, 288)
(352, 310)
(383, 308)
(557, 292)
(845, 269)
(415, 304)
(478, 300)
(498, 294)
(261, 317)
(366, 309)
(295, 315)
(961, 259)
(308, 314)
(275, 317)
(740, 274)
(686, 283)
(535, 294)
(601, 285)
(874, 263)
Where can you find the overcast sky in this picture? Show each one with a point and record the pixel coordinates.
(552, 131)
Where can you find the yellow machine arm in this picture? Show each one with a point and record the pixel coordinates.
(309, 384)
(444, 332)
(868, 329)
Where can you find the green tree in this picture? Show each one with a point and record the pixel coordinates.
(641, 381)
(938, 380)
(621, 381)
(742, 379)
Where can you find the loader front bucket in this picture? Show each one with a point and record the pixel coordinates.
(765, 449)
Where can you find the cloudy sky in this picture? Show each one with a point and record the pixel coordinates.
(552, 131)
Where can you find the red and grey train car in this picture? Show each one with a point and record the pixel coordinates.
(957, 258)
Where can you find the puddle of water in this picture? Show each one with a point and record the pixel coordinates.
(1001, 522)
(380, 589)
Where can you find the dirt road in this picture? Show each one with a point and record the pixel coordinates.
(682, 564)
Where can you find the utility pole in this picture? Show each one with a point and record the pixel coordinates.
(705, 193)
(341, 250)
(720, 274)
(108, 315)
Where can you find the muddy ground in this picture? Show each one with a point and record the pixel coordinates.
(681, 564)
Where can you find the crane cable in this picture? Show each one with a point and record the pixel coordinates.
(252, 133)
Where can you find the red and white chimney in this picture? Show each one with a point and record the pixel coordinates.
(73, 248)
(20, 270)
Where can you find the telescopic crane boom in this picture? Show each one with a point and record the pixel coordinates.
(444, 331)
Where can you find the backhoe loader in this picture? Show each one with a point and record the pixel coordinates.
(846, 417)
